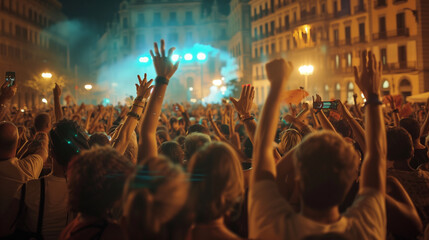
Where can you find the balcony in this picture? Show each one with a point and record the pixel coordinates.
(380, 3)
(400, 32)
(360, 8)
(360, 39)
(400, 66)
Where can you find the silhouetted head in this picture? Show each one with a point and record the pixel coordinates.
(399, 144)
(8, 140)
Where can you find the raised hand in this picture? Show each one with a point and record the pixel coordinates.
(164, 66)
(278, 72)
(180, 107)
(144, 87)
(57, 90)
(245, 102)
(368, 78)
(7, 92)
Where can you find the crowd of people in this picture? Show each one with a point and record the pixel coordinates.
(222, 171)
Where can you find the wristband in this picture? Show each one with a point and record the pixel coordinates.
(248, 118)
(244, 116)
(139, 98)
(161, 81)
(373, 99)
(395, 111)
(136, 105)
(134, 115)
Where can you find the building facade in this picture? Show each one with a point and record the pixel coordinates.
(29, 47)
(182, 24)
(240, 42)
(330, 35)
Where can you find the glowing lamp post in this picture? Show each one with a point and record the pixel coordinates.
(306, 70)
(144, 59)
(47, 75)
(88, 87)
(201, 57)
(44, 101)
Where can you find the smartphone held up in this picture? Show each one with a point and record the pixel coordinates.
(10, 78)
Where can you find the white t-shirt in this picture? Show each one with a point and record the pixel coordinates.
(13, 173)
(272, 217)
(56, 215)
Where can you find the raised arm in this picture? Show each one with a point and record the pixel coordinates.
(165, 69)
(243, 106)
(7, 93)
(373, 174)
(143, 91)
(324, 121)
(357, 129)
(57, 104)
(278, 72)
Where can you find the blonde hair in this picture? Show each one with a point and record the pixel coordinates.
(289, 139)
(153, 196)
(217, 181)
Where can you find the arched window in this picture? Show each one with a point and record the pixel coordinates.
(385, 87)
(327, 91)
(337, 91)
(350, 91)
(405, 88)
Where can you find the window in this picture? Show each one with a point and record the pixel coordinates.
(337, 91)
(323, 8)
(157, 37)
(287, 44)
(256, 52)
(337, 61)
(189, 38)
(385, 87)
(125, 41)
(255, 32)
(140, 20)
(381, 3)
(157, 19)
(173, 19)
(383, 56)
(260, 31)
(287, 23)
(349, 59)
(273, 47)
(189, 18)
(140, 41)
(261, 51)
(173, 37)
(361, 32)
(30, 13)
(402, 56)
(400, 24)
(266, 49)
(350, 91)
(272, 27)
(266, 29)
(125, 23)
(382, 27)
(294, 16)
(348, 35)
(336, 37)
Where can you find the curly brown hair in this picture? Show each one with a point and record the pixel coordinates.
(96, 180)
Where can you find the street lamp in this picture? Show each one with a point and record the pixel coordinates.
(88, 87)
(44, 101)
(191, 89)
(47, 75)
(306, 70)
(217, 82)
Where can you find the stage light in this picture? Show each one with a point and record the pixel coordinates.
(188, 57)
(201, 56)
(144, 59)
(46, 75)
(217, 82)
(175, 57)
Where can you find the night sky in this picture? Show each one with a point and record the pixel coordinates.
(97, 12)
